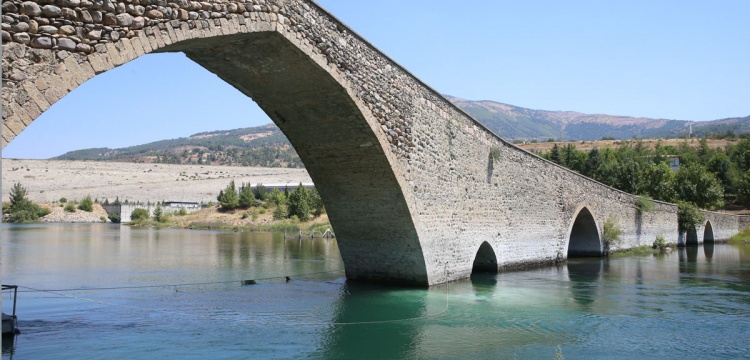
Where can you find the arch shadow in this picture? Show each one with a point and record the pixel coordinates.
(584, 239)
(485, 261)
(708, 233)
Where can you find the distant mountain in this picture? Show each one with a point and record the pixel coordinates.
(267, 146)
(513, 122)
(256, 146)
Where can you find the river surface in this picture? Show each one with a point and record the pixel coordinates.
(116, 292)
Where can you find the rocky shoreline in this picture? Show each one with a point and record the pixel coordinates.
(59, 215)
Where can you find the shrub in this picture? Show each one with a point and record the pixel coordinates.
(114, 217)
(63, 200)
(139, 214)
(644, 204)
(70, 207)
(86, 204)
(279, 213)
(611, 234)
(182, 211)
(245, 215)
(688, 217)
(255, 214)
(660, 243)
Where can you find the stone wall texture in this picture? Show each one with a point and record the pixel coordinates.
(413, 185)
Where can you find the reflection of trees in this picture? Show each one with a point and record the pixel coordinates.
(361, 334)
(584, 276)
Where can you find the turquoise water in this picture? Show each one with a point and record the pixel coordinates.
(693, 303)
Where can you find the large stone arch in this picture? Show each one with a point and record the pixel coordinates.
(584, 238)
(281, 54)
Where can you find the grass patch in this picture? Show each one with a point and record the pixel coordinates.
(643, 250)
(742, 237)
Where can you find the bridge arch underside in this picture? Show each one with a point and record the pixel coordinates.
(365, 204)
(485, 261)
(708, 233)
(584, 238)
(334, 139)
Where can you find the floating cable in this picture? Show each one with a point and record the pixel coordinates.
(28, 289)
(193, 315)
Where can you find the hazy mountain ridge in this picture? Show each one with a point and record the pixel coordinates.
(267, 146)
(513, 122)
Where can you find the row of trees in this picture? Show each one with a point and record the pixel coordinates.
(707, 177)
(300, 203)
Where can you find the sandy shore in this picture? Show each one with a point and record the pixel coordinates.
(50, 180)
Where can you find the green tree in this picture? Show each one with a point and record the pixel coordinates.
(18, 199)
(658, 182)
(688, 216)
(21, 209)
(277, 197)
(554, 155)
(298, 203)
(158, 213)
(316, 203)
(743, 189)
(592, 163)
(228, 198)
(247, 197)
(721, 165)
(695, 184)
(86, 204)
(260, 192)
(279, 213)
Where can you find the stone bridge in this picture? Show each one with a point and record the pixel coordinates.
(417, 191)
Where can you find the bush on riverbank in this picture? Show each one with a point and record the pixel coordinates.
(21, 209)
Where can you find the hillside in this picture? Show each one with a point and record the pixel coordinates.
(262, 146)
(513, 122)
(266, 146)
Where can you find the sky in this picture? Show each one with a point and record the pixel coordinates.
(684, 60)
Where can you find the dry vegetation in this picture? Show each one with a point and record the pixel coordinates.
(602, 144)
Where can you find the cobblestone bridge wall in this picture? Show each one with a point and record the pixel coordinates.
(413, 185)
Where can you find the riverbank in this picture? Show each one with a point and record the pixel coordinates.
(254, 219)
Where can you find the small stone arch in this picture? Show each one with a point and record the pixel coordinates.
(708, 233)
(583, 235)
(485, 260)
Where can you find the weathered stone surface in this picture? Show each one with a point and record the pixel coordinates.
(42, 42)
(48, 29)
(22, 38)
(67, 30)
(30, 8)
(66, 44)
(124, 19)
(51, 11)
(20, 27)
(138, 23)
